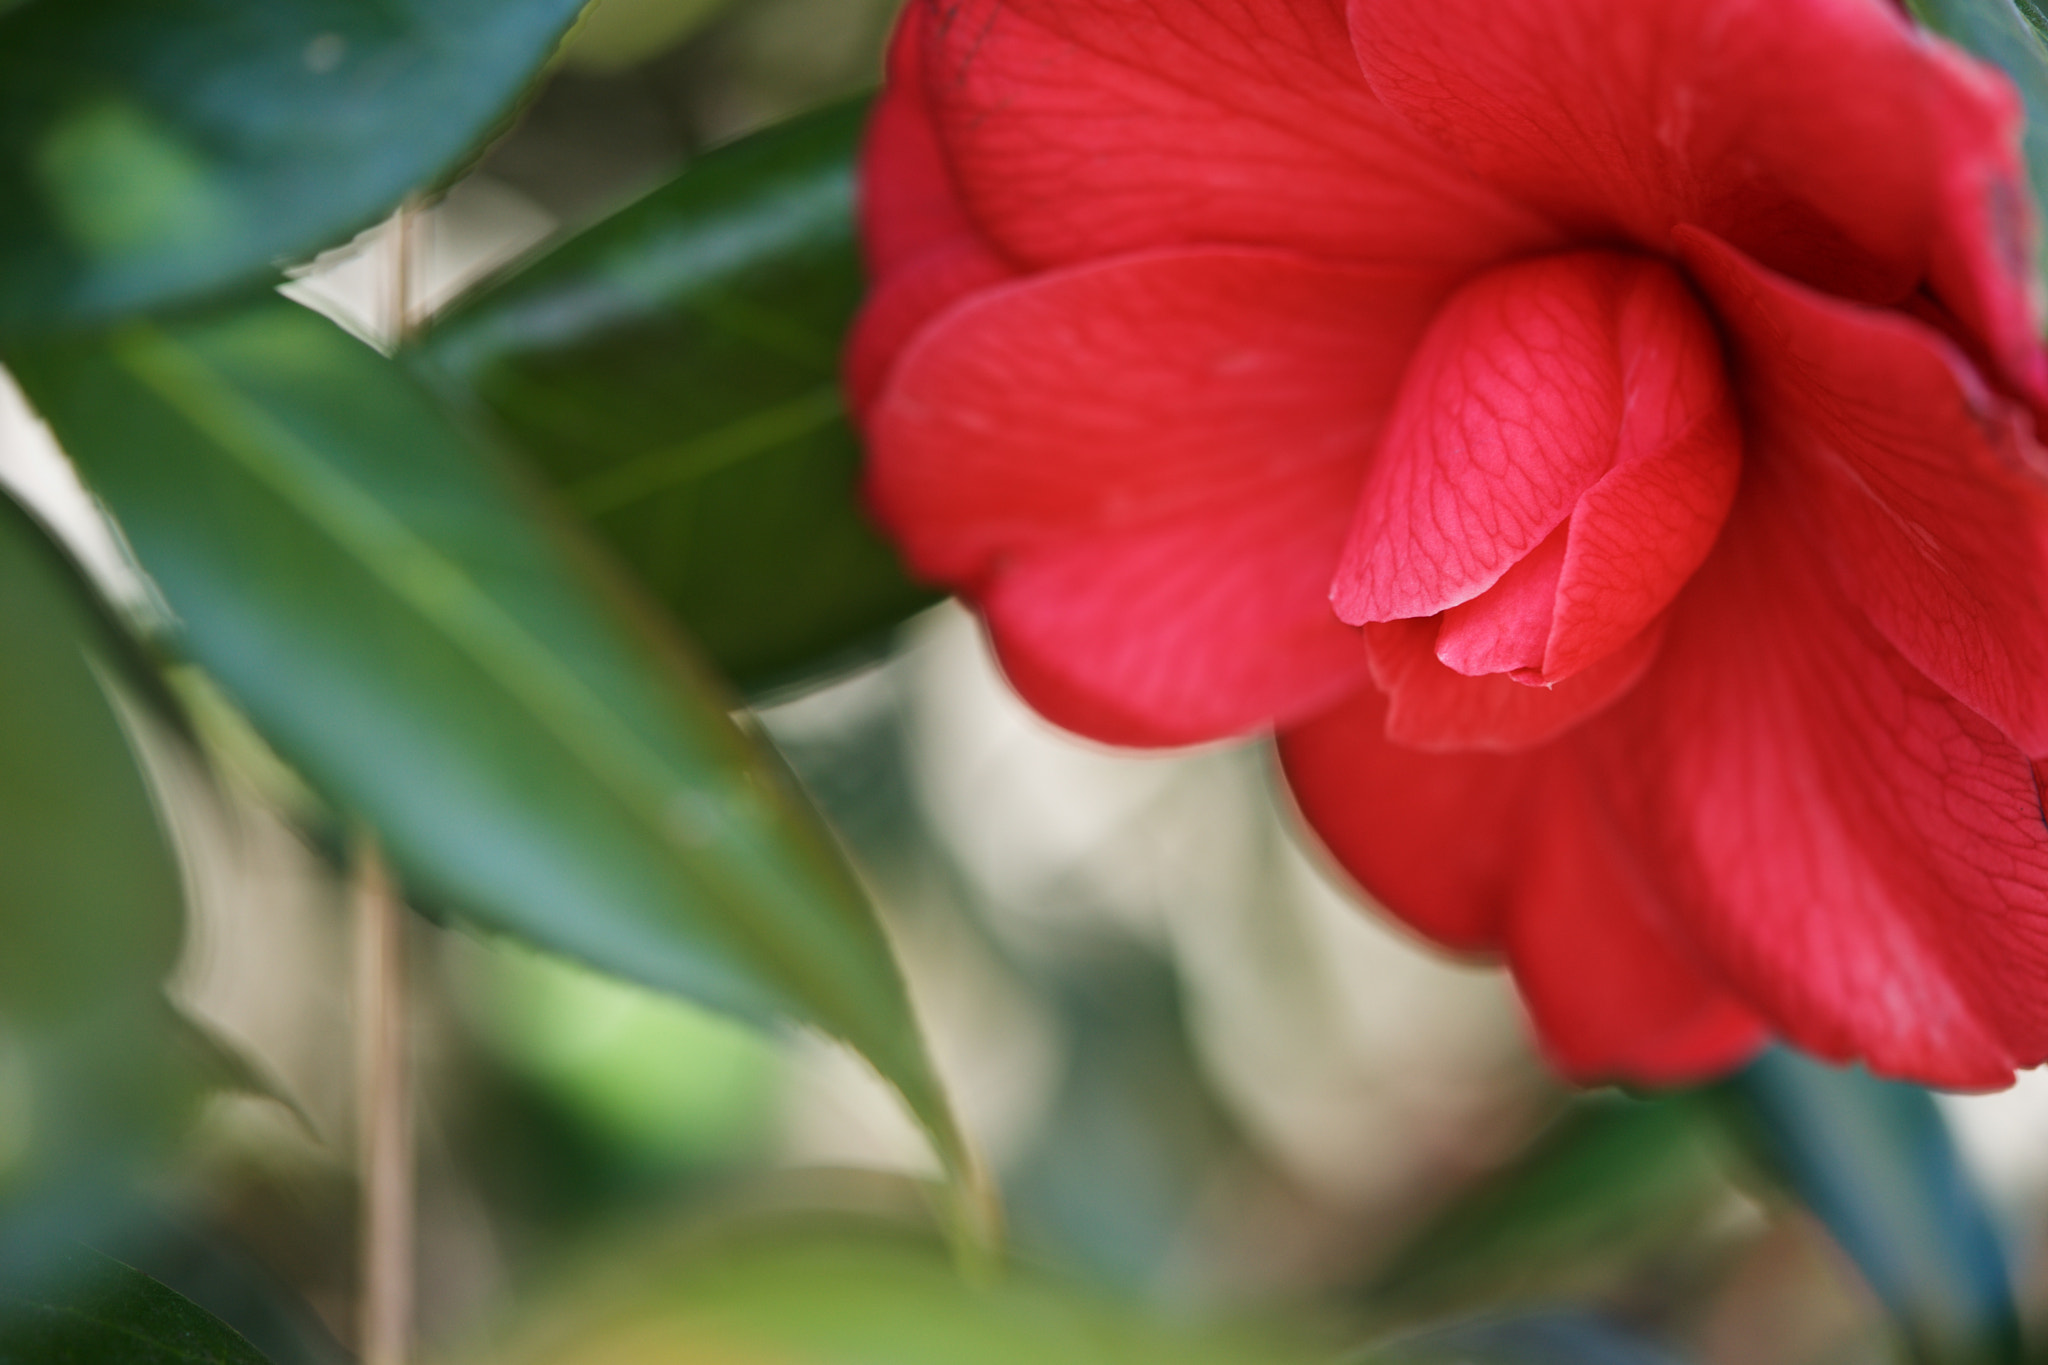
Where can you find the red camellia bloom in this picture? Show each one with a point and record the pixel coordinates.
(1597, 435)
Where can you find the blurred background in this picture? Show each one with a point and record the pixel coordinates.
(1212, 1086)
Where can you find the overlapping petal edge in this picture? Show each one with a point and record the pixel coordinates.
(1599, 436)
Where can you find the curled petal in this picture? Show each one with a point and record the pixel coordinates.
(1925, 488)
(1506, 629)
(1585, 388)
(1086, 128)
(1433, 708)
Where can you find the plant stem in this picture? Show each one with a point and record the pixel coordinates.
(384, 1113)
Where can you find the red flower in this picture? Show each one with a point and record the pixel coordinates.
(1653, 381)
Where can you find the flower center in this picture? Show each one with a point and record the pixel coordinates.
(1558, 462)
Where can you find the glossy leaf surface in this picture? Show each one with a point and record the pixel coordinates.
(675, 371)
(151, 149)
(1874, 1161)
(406, 626)
(99, 1312)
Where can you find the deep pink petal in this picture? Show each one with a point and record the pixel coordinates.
(1984, 245)
(1638, 535)
(1201, 628)
(1506, 629)
(923, 254)
(1925, 488)
(1477, 852)
(1586, 387)
(1136, 391)
(1817, 135)
(1613, 998)
(1435, 708)
(1085, 128)
(1436, 838)
(1142, 470)
(1860, 855)
(899, 306)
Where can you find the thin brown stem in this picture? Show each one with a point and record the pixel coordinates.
(384, 1113)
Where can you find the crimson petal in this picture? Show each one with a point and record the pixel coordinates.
(1820, 136)
(1611, 995)
(1925, 488)
(1861, 855)
(1437, 839)
(1154, 547)
(1086, 128)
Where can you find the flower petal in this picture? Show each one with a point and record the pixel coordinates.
(1085, 128)
(1926, 489)
(1202, 628)
(1862, 856)
(1506, 629)
(1435, 838)
(898, 308)
(1814, 134)
(1984, 248)
(909, 203)
(1133, 392)
(922, 251)
(1611, 996)
(1142, 470)
(1586, 386)
(1435, 708)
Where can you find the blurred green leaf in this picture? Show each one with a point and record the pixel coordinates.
(1611, 1182)
(675, 371)
(403, 623)
(661, 1081)
(624, 33)
(1874, 1161)
(97, 1311)
(1135, 1140)
(1539, 1339)
(151, 149)
(92, 1077)
(856, 1296)
(2009, 34)
(90, 900)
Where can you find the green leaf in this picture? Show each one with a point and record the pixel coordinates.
(92, 1079)
(402, 622)
(1874, 1161)
(152, 149)
(856, 1295)
(2009, 34)
(675, 371)
(96, 1311)
(1611, 1181)
(90, 900)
